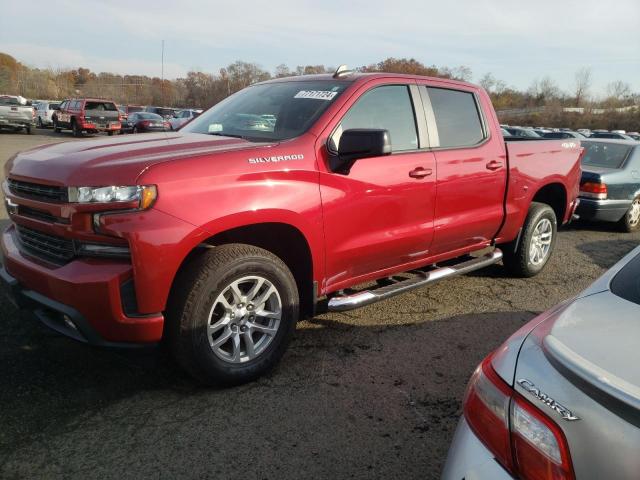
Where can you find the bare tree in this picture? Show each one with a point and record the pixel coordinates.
(582, 85)
(491, 84)
(544, 91)
(618, 90)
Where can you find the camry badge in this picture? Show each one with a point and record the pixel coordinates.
(563, 411)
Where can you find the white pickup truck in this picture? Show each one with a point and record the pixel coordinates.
(15, 114)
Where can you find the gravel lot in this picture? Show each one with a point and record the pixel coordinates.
(373, 393)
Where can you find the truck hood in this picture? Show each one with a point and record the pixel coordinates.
(113, 161)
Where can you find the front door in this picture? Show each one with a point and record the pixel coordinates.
(380, 214)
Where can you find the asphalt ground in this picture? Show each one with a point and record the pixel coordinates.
(372, 393)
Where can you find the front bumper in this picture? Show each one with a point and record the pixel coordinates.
(469, 459)
(602, 210)
(81, 299)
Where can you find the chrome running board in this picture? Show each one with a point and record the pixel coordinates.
(342, 303)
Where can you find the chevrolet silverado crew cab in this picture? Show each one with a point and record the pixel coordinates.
(89, 115)
(275, 203)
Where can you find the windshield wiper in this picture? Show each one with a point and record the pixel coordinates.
(248, 138)
(219, 134)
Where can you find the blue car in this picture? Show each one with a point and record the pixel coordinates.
(610, 185)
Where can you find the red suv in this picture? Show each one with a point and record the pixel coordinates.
(89, 115)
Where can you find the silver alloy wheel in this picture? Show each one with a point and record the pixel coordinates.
(634, 213)
(244, 319)
(540, 242)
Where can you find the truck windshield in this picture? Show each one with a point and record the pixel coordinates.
(268, 112)
(607, 155)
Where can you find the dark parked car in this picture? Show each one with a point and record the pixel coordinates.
(616, 136)
(145, 122)
(164, 112)
(522, 132)
(564, 134)
(610, 185)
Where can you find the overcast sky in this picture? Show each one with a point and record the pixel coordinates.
(516, 41)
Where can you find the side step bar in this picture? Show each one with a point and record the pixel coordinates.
(367, 297)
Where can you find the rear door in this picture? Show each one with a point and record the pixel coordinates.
(380, 215)
(472, 168)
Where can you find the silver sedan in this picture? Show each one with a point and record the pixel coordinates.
(561, 398)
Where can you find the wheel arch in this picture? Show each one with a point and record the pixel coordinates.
(284, 240)
(553, 194)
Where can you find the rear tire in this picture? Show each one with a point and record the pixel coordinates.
(537, 241)
(77, 132)
(110, 133)
(40, 124)
(27, 130)
(230, 298)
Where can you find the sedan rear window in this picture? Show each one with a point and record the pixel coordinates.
(606, 155)
(626, 284)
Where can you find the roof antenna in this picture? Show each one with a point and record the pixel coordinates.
(342, 71)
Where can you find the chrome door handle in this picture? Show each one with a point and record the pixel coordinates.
(494, 165)
(420, 172)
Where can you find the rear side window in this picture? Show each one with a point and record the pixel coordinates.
(53, 106)
(626, 284)
(388, 107)
(607, 155)
(457, 117)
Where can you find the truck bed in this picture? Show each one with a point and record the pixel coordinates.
(535, 162)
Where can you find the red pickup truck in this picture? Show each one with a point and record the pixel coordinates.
(90, 115)
(275, 203)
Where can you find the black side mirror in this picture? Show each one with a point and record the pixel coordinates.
(359, 143)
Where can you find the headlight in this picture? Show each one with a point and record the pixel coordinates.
(145, 195)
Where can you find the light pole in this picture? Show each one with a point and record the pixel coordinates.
(162, 78)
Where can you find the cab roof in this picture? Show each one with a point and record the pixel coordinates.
(359, 77)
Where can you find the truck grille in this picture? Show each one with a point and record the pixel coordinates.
(47, 247)
(36, 191)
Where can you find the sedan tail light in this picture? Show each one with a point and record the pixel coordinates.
(594, 190)
(527, 443)
(145, 123)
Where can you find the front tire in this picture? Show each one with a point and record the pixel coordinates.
(232, 314)
(537, 241)
(631, 220)
(56, 128)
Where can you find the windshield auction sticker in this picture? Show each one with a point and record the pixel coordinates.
(316, 94)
